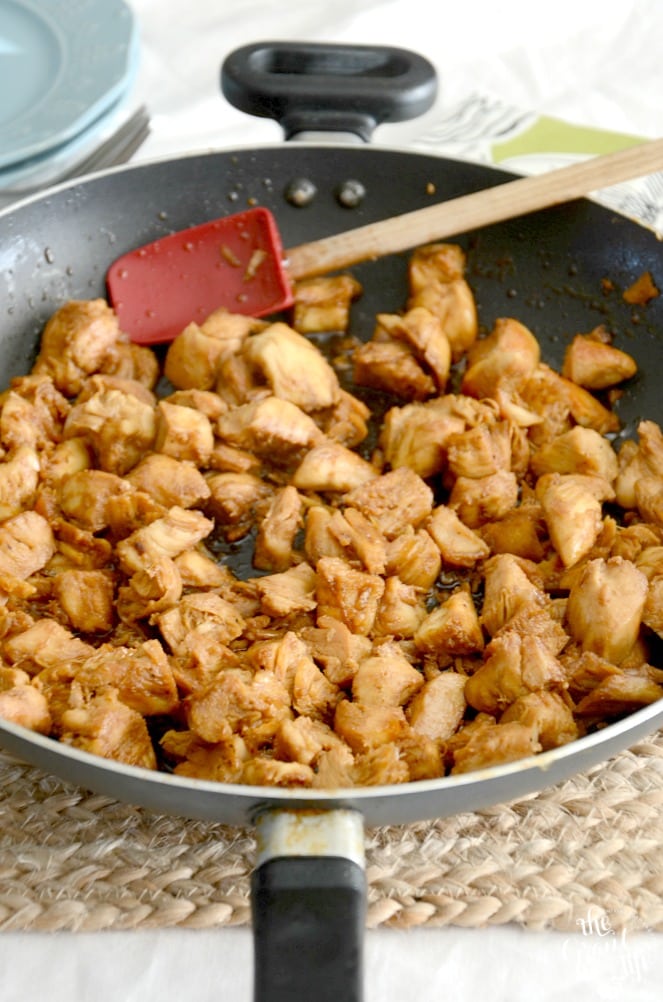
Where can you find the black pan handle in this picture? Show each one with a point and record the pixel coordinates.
(308, 897)
(328, 87)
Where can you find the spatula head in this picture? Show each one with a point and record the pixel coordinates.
(235, 262)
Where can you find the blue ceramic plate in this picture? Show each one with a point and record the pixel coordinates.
(62, 65)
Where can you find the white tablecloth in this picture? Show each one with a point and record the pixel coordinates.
(590, 62)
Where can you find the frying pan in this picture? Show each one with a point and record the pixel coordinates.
(548, 269)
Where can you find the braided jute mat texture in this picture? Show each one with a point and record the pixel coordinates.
(589, 847)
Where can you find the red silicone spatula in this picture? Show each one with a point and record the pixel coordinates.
(238, 261)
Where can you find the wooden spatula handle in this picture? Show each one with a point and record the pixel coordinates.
(460, 215)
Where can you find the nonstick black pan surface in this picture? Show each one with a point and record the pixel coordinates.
(561, 272)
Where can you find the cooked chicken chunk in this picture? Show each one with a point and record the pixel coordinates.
(480, 452)
(26, 545)
(293, 367)
(84, 497)
(394, 500)
(331, 466)
(154, 588)
(507, 590)
(170, 481)
(313, 695)
(338, 650)
(236, 501)
(548, 713)
(639, 462)
(365, 727)
(45, 644)
(451, 629)
(237, 702)
(605, 607)
(436, 262)
(414, 558)
(424, 333)
(459, 545)
(107, 727)
(196, 616)
(277, 531)
(417, 434)
(141, 676)
(391, 367)
(477, 500)
(87, 599)
(273, 428)
(32, 413)
(19, 477)
(386, 678)
(571, 505)
(359, 539)
(619, 694)
(580, 450)
(75, 341)
(323, 304)
(177, 531)
(288, 592)
(347, 594)
(506, 357)
(193, 358)
(439, 707)
(490, 746)
(514, 665)
(118, 427)
(401, 610)
(183, 433)
(22, 703)
(595, 364)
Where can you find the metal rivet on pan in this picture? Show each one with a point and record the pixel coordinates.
(350, 194)
(300, 192)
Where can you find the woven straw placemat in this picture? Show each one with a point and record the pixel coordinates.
(587, 848)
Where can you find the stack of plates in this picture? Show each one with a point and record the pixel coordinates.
(66, 76)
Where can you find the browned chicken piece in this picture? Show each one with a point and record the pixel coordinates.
(19, 477)
(451, 629)
(401, 610)
(580, 450)
(331, 466)
(346, 422)
(75, 341)
(640, 461)
(652, 614)
(453, 303)
(101, 382)
(649, 500)
(595, 364)
(206, 401)
(323, 304)
(155, 588)
(290, 591)
(119, 428)
(132, 361)
(78, 548)
(193, 358)
(177, 531)
(547, 395)
(394, 500)
(199, 615)
(605, 607)
(277, 531)
(572, 508)
(617, 695)
(422, 755)
(304, 739)
(66, 459)
(347, 594)
(83, 497)
(544, 622)
(423, 332)
(279, 656)
(222, 762)
(87, 598)
(318, 539)
(264, 771)
(313, 695)
(588, 411)
(32, 413)
(491, 746)
(236, 502)
(293, 368)
(333, 646)
(45, 644)
(507, 357)
(439, 707)
(360, 539)
(478, 500)
(236, 702)
(585, 670)
(26, 545)
(548, 714)
(386, 678)
(183, 433)
(128, 512)
(641, 544)
(22, 703)
(142, 677)
(276, 429)
(334, 769)
(641, 290)
(196, 670)
(514, 665)
(459, 545)
(366, 726)
(416, 435)
(520, 532)
(228, 459)
(480, 452)
(170, 481)
(512, 408)
(107, 727)
(507, 591)
(391, 367)
(435, 262)
(382, 766)
(415, 558)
